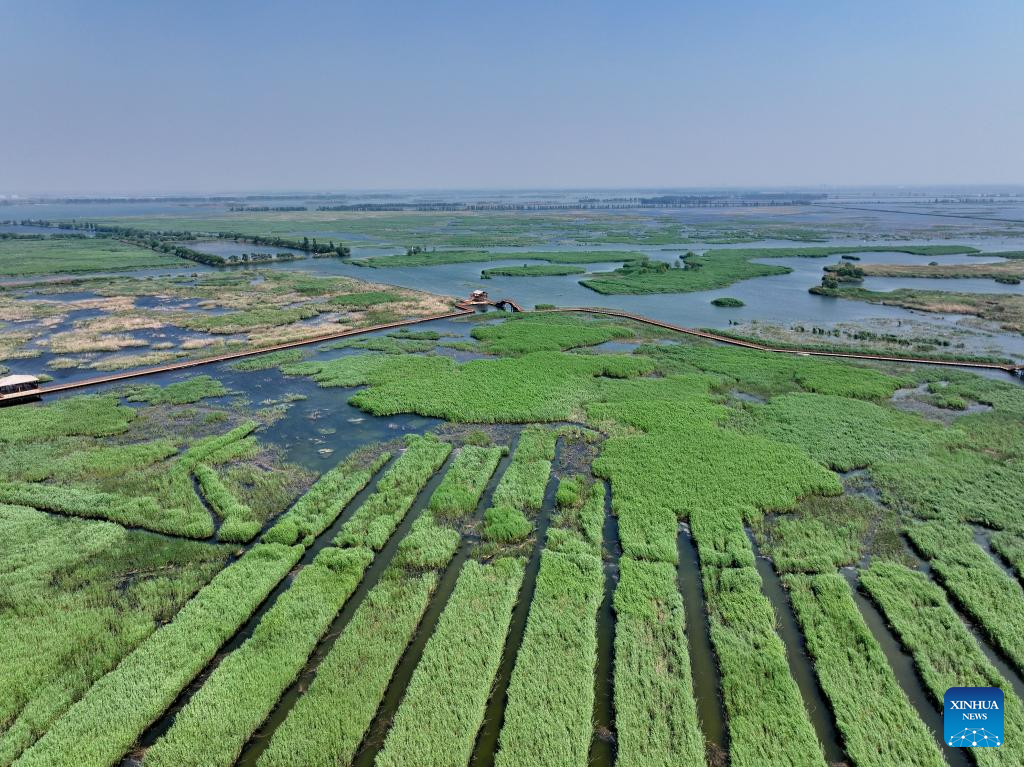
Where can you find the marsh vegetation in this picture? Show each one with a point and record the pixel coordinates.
(177, 590)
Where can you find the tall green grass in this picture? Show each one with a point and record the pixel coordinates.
(381, 513)
(1010, 546)
(670, 456)
(98, 729)
(578, 523)
(824, 533)
(141, 511)
(655, 711)
(320, 506)
(944, 651)
(535, 388)
(269, 360)
(524, 482)
(178, 393)
(991, 597)
(520, 491)
(444, 704)
(768, 373)
(98, 415)
(768, 723)
(922, 468)
(856, 677)
(219, 719)
(720, 268)
(329, 721)
(459, 492)
(22, 258)
(364, 299)
(238, 522)
(354, 675)
(434, 257)
(551, 693)
(547, 270)
(527, 333)
(73, 610)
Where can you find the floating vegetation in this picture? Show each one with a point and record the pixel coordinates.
(726, 301)
(180, 393)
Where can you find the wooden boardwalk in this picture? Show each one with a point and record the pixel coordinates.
(1006, 368)
(462, 308)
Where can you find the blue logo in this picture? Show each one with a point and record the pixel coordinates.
(973, 717)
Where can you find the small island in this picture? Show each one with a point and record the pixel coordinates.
(727, 301)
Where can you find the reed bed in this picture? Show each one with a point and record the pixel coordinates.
(98, 729)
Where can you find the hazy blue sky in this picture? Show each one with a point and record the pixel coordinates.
(140, 96)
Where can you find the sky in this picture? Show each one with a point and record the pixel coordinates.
(138, 96)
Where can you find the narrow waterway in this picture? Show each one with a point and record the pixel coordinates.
(373, 742)
(707, 682)
(487, 739)
(904, 669)
(166, 720)
(603, 747)
(800, 664)
(1006, 671)
(261, 738)
(982, 538)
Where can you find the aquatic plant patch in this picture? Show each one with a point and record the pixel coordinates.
(856, 677)
(379, 516)
(71, 612)
(327, 724)
(98, 729)
(551, 693)
(141, 511)
(238, 521)
(323, 502)
(437, 257)
(988, 595)
(463, 484)
(538, 387)
(98, 415)
(549, 270)
(540, 332)
(1010, 546)
(444, 704)
(269, 360)
(218, 720)
(944, 651)
(185, 392)
(28, 258)
(655, 711)
(821, 535)
(761, 698)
